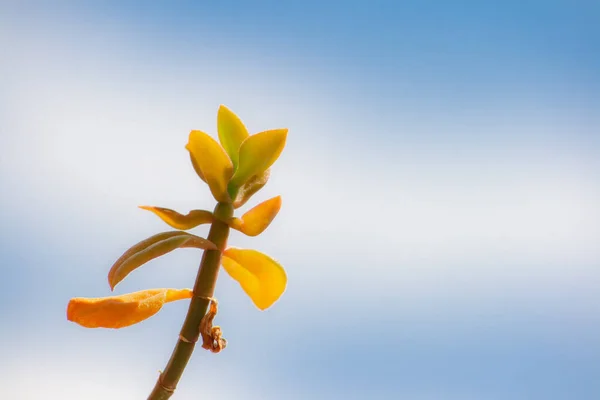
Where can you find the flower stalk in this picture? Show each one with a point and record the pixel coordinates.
(203, 290)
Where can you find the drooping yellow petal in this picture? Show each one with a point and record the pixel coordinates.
(213, 162)
(121, 311)
(242, 194)
(232, 133)
(180, 221)
(255, 221)
(262, 278)
(151, 248)
(258, 153)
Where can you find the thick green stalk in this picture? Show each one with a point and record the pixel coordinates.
(203, 289)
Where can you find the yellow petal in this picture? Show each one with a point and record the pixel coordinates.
(232, 133)
(121, 311)
(242, 194)
(258, 153)
(261, 277)
(213, 162)
(179, 221)
(151, 248)
(255, 221)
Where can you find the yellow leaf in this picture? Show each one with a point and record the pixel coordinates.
(151, 248)
(242, 194)
(258, 153)
(261, 277)
(121, 311)
(213, 162)
(197, 168)
(255, 221)
(179, 221)
(232, 133)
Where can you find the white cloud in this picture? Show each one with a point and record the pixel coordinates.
(102, 373)
(94, 147)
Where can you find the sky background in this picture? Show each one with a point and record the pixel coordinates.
(440, 184)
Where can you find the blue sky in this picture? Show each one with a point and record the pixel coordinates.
(441, 191)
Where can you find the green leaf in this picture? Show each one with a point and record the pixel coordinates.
(232, 133)
(258, 153)
(151, 248)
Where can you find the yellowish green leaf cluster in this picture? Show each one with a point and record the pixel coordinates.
(239, 166)
(235, 168)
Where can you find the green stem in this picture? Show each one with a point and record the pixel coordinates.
(203, 289)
